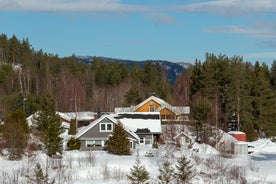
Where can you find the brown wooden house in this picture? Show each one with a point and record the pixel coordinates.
(168, 112)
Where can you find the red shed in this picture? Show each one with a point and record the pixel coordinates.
(240, 136)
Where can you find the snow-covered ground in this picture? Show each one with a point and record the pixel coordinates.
(101, 167)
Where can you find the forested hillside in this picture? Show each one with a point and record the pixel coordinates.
(230, 88)
(25, 74)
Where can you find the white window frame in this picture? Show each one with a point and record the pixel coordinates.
(151, 106)
(105, 127)
(131, 144)
(88, 142)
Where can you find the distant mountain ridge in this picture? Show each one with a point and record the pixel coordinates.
(172, 69)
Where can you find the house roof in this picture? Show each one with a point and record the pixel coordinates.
(80, 116)
(154, 98)
(163, 104)
(182, 133)
(141, 120)
(95, 122)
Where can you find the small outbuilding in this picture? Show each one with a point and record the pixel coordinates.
(240, 136)
(240, 148)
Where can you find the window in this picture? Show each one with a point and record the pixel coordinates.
(142, 139)
(148, 141)
(102, 127)
(106, 127)
(93, 143)
(151, 106)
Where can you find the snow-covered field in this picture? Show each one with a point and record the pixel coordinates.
(100, 167)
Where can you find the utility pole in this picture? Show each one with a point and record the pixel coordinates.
(216, 108)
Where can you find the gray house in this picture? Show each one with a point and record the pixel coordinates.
(95, 135)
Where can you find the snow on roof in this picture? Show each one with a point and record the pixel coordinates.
(140, 120)
(31, 118)
(81, 116)
(124, 109)
(181, 109)
(236, 132)
(153, 125)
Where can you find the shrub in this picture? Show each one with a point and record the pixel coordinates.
(155, 145)
(74, 144)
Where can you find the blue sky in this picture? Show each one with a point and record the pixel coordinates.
(175, 30)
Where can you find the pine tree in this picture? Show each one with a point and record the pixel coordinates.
(166, 173)
(118, 143)
(183, 174)
(138, 174)
(48, 123)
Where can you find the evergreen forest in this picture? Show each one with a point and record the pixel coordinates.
(232, 90)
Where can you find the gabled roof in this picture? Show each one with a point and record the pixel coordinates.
(141, 120)
(154, 98)
(95, 122)
(178, 110)
(182, 133)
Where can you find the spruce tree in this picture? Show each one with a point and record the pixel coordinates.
(39, 176)
(273, 75)
(201, 109)
(132, 97)
(264, 102)
(138, 174)
(48, 123)
(73, 127)
(118, 143)
(15, 133)
(166, 173)
(183, 173)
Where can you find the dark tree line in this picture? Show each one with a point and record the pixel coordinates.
(239, 91)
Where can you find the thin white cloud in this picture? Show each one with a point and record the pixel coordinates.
(222, 7)
(230, 7)
(69, 6)
(258, 30)
(161, 18)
